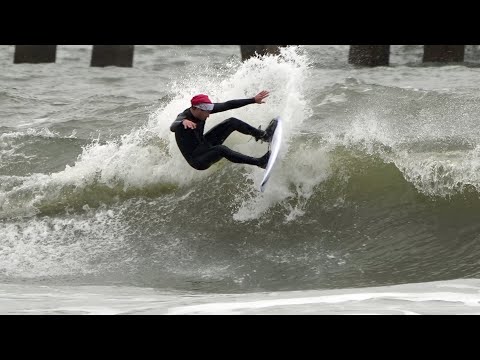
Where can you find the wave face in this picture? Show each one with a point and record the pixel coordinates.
(377, 180)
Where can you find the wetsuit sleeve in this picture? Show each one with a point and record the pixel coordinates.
(231, 104)
(177, 122)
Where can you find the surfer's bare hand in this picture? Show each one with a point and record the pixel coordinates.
(187, 124)
(261, 96)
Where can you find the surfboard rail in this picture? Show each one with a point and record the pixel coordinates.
(275, 145)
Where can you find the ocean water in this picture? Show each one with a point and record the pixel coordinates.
(373, 208)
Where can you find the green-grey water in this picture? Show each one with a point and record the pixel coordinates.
(377, 182)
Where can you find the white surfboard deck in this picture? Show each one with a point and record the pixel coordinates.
(275, 145)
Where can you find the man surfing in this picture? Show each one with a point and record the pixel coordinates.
(203, 150)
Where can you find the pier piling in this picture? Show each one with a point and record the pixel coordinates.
(369, 55)
(35, 54)
(443, 53)
(247, 51)
(112, 55)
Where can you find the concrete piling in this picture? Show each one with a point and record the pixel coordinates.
(443, 53)
(369, 55)
(112, 55)
(35, 54)
(247, 51)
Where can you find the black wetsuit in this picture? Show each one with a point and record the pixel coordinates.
(202, 150)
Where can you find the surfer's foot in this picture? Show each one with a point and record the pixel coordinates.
(269, 131)
(263, 161)
(267, 137)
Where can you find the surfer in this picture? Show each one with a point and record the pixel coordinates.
(203, 150)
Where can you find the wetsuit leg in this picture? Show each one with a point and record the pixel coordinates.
(209, 157)
(219, 133)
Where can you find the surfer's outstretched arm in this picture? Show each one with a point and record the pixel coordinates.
(235, 104)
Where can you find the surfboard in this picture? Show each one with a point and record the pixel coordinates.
(275, 145)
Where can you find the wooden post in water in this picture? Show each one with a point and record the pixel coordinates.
(369, 55)
(443, 53)
(112, 55)
(248, 51)
(35, 54)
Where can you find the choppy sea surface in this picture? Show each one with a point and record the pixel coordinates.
(372, 208)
